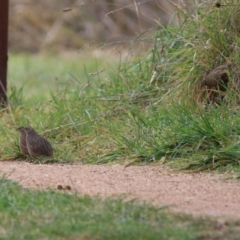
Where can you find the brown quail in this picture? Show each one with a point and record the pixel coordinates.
(217, 78)
(22, 141)
(37, 145)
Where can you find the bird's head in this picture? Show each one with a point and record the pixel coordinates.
(21, 129)
(29, 129)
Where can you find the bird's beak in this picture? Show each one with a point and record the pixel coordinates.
(18, 129)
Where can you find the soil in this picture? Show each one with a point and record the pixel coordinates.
(196, 193)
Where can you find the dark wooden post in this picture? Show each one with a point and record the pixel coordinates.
(3, 50)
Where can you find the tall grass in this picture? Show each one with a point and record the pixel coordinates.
(49, 28)
(147, 109)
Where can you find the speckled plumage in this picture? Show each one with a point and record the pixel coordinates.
(33, 144)
(36, 144)
(218, 77)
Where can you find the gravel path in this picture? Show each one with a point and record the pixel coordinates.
(197, 193)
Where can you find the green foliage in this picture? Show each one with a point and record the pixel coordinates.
(147, 109)
(28, 214)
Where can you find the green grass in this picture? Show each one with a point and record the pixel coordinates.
(106, 122)
(130, 114)
(36, 76)
(126, 114)
(28, 214)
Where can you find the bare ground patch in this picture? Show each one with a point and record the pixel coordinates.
(197, 193)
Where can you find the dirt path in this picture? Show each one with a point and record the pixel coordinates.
(199, 193)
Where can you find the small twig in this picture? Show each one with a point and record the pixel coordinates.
(67, 9)
(84, 87)
(96, 73)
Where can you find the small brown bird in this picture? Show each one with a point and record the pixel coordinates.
(36, 144)
(217, 78)
(22, 141)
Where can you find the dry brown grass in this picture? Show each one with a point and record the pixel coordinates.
(70, 24)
